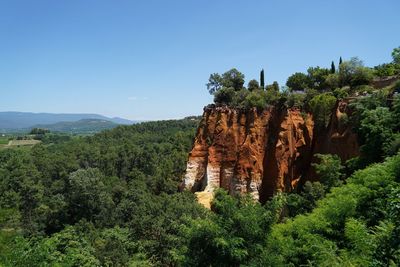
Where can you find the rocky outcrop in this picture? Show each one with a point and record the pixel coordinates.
(261, 152)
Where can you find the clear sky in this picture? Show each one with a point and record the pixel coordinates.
(151, 59)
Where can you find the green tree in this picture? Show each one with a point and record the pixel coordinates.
(396, 112)
(234, 235)
(88, 197)
(317, 77)
(233, 78)
(354, 73)
(332, 81)
(329, 170)
(253, 85)
(333, 68)
(256, 99)
(275, 86)
(376, 131)
(224, 96)
(306, 200)
(262, 83)
(388, 69)
(298, 82)
(396, 55)
(322, 107)
(214, 83)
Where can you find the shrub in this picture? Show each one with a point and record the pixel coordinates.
(343, 120)
(256, 99)
(321, 107)
(385, 70)
(295, 100)
(354, 73)
(298, 82)
(332, 80)
(224, 96)
(341, 93)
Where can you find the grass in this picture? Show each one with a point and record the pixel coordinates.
(3, 140)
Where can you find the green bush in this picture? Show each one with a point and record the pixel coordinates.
(224, 96)
(256, 98)
(341, 93)
(385, 70)
(295, 100)
(322, 107)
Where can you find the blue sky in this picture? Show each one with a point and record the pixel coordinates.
(151, 59)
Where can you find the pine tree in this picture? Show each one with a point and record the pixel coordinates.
(333, 68)
(262, 79)
(275, 86)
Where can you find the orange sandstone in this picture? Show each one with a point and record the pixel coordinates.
(261, 152)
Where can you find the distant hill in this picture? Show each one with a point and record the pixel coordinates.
(21, 120)
(84, 126)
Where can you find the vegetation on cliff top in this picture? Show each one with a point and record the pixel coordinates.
(351, 78)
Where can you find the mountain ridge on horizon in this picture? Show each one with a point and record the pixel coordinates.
(20, 120)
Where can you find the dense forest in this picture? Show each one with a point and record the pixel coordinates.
(112, 199)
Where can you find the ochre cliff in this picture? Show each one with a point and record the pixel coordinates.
(261, 152)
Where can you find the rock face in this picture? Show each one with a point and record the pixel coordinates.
(261, 152)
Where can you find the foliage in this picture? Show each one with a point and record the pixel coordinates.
(108, 199)
(322, 106)
(337, 232)
(317, 77)
(214, 83)
(253, 85)
(262, 82)
(351, 79)
(332, 81)
(233, 235)
(396, 55)
(306, 200)
(224, 96)
(375, 128)
(354, 73)
(295, 100)
(341, 93)
(233, 79)
(39, 131)
(388, 69)
(273, 87)
(329, 170)
(333, 68)
(256, 99)
(298, 82)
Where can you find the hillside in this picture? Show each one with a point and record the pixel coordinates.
(23, 120)
(84, 126)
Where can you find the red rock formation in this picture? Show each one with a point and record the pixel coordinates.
(260, 152)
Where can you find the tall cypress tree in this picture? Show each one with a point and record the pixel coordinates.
(333, 69)
(340, 61)
(262, 79)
